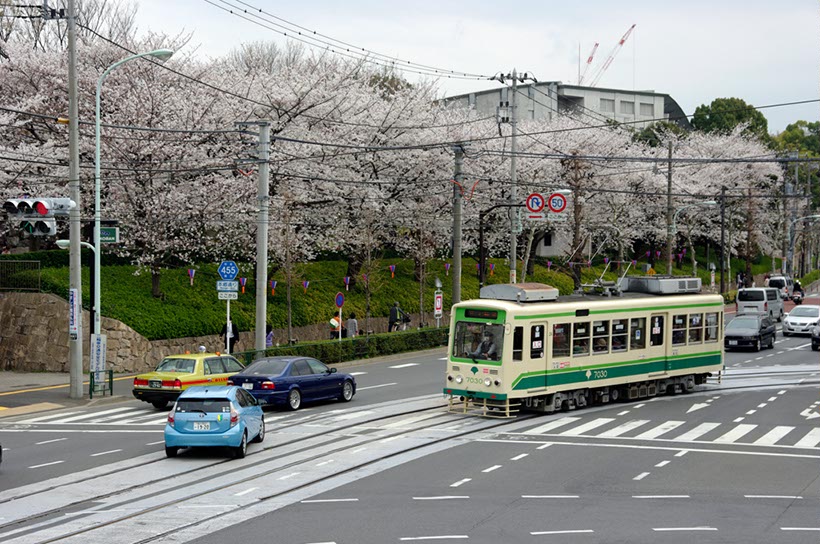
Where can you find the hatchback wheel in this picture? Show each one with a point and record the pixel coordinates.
(347, 391)
(240, 451)
(294, 399)
(171, 451)
(261, 436)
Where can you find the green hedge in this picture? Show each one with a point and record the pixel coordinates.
(362, 347)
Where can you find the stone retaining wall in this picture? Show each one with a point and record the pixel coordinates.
(34, 337)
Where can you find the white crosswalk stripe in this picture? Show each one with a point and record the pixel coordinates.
(543, 429)
(735, 434)
(810, 440)
(697, 432)
(663, 428)
(588, 426)
(773, 437)
(625, 428)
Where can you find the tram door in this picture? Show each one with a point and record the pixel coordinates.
(657, 337)
(538, 348)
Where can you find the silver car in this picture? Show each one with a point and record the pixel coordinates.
(801, 320)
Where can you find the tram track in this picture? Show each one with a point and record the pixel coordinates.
(481, 426)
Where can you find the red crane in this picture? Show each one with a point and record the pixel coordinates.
(600, 71)
(589, 61)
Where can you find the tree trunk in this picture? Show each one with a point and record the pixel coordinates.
(354, 267)
(526, 268)
(156, 292)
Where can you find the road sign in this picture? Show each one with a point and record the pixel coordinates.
(97, 356)
(227, 270)
(227, 285)
(109, 235)
(228, 295)
(535, 203)
(438, 306)
(557, 202)
(340, 300)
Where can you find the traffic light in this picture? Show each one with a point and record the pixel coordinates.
(36, 215)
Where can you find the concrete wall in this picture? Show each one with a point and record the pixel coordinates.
(34, 337)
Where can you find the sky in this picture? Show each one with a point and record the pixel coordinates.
(763, 51)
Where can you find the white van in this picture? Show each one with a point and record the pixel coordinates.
(784, 284)
(760, 300)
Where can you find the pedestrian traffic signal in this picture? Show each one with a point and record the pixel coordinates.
(36, 215)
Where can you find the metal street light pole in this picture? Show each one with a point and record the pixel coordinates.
(161, 54)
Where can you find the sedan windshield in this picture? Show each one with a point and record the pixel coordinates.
(267, 367)
(805, 311)
(742, 323)
(170, 364)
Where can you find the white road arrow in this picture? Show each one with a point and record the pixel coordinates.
(697, 406)
(809, 414)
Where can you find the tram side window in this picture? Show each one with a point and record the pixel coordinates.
(580, 339)
(695, 328)
(619, 333)
(536, 341)
(560, 340)
(600, 337)
(656, 334)
(678, 330)
(637, 334)
(518, 344)
(712, 327)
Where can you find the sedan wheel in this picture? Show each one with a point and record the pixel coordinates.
(347, 391)
(261, 436)
(294, 399)
(240, 451)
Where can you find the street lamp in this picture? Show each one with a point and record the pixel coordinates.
(160, 54)
(66, 244)
(789, 267)
(673, 228)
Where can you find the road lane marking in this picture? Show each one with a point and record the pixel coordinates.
(762, 405)
(623, 413)
(47, 464)
(323, 463)
(735, 434)
(772, 399)
(811, 439)
(437, 537)
(519, 457)
(405, 365)
(681, 453)
(789, 497)
(441, 498)
(251, 490)
(550, 496)
(588, 426)
(684, 528)
(357, 373)
(641, 476)
(663, 428)
(800, 528)
(567, 532)
(375, 386)
(105, 453)
(49, 441)
(408, 421)
(311, 501)
(45, 418)
(461, 482)
(492, 468)
(750, 412)
(660, 496)
(662, 464)
(291, 475)
(771, 437)
(155, 443)
(552, 425)
(738, 419)
(625, 428)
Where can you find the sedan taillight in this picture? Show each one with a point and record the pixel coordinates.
(230, 382)
(268, 385)
(140, 381)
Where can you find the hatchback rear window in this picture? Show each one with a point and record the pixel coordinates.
(750, 296)
(204, 405)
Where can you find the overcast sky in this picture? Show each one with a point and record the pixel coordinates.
(763, 51)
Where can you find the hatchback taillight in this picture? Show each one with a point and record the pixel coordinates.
(268, 385)
(234, 417)
(171, 416)
(139, 381)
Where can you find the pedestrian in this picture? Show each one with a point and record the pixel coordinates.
(352, 326)
(336, 327)
(230, 335)
(397, 315)
(269, 336)
(766, 280)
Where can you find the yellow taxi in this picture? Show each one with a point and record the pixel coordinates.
(176, 373)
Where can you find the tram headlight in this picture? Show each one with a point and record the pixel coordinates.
(459, 378)
(488, 382)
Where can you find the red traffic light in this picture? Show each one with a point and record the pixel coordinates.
(41, 207)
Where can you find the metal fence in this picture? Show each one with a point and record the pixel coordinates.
(19, 275)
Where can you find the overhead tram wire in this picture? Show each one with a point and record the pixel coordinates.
(309, 39)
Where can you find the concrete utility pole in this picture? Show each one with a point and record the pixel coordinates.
(263, 196)
(457, 190)
(722, 240)
(75, 342)
(670, 236)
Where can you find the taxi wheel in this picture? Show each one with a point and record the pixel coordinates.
(347, 391)
(294, 399)
(160, 404)
(171, 451)
(240, 451)
(261, 436)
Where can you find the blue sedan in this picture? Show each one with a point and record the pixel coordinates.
(291, 380)
(213, 417)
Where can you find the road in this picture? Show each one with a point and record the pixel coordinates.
(736, 462)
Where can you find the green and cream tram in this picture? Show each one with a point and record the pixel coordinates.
(523, 347)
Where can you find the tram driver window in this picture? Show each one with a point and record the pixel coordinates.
(518, 344)
(637, 333)
(678, 330)
(580, 339)
(478, 341)
(656, 334)
(560, 340)
(712, 327)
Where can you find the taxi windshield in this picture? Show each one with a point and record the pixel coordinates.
(171, 364)
(478, 341)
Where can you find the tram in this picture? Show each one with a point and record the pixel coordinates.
(524, 347)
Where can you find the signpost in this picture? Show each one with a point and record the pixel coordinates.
(438, 307)
(227, 291)
(340, 301)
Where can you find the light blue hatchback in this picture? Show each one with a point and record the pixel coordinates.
(218, 416)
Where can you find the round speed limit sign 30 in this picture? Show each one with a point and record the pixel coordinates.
(557, 202)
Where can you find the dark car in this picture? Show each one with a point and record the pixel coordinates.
(815, 339)
(749, 331)
(289, 381)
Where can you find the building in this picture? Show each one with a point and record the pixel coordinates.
(550, 99)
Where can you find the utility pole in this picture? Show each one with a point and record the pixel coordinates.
(515, 79)
(457, 194)
(722, 239)
(75, 342)
(670, 236)
(790, 232)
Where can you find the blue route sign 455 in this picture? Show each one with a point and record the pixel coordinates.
(227, 270)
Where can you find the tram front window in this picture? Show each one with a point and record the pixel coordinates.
(478, 341)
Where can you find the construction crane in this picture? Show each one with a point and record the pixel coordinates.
(600, 71)
(589, 62)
